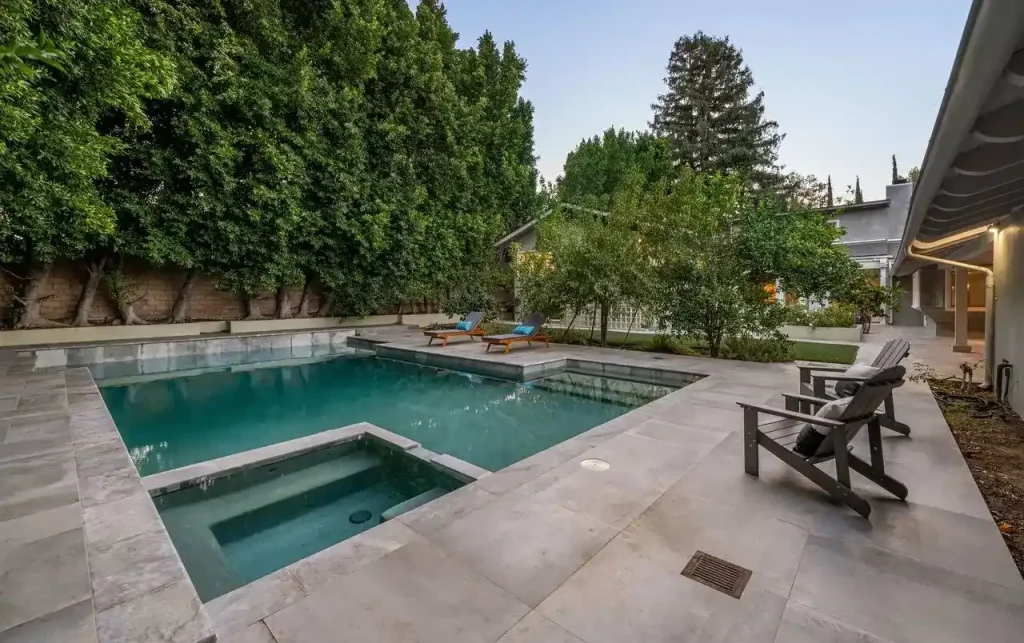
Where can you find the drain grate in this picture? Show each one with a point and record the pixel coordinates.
(716, 573)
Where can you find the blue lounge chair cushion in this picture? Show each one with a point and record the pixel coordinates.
(523, 329)
(464, 325)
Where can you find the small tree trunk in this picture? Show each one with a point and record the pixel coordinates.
(96, 270)
(128, 315)
(604, 324)
(307, 296)
(629, 328)
(572, 321)
(284, 303)
(252, 307)
(326, 306)
(180, 310)
(593, 323)
(32, 297)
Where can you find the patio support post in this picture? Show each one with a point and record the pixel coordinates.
(960, 344)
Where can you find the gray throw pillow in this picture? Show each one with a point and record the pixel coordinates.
(811, 436)
(849, 389)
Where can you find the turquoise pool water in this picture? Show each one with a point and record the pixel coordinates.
(169, 423)
(243, 526)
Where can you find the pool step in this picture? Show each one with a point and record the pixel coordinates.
(412, 503)
(602, 389)
(295, 483)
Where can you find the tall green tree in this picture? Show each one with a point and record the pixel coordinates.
(858, 196)
(829, 199)
(709, 115)
(55, 131)
(600, 166)
(715, 248)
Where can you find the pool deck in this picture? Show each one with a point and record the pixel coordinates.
(542, 551)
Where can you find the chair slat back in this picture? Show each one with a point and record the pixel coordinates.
(892, 353)
(534, 320)
(864, 403)
(474, 318)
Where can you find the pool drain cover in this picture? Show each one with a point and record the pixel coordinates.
(593, 464)
(359, 517)
(716, 573)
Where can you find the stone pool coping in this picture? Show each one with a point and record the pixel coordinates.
(490, 365)
(209, 470)
(305, 343)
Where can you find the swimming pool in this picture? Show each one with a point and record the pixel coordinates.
(172, 422)
(235, 529)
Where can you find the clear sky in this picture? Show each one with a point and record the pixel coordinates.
(850, 83)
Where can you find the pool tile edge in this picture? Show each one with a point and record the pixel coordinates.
(174, 606)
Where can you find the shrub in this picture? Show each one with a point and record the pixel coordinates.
(836, 315)
(775, 348)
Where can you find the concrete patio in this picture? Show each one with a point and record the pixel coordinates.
(544, 550)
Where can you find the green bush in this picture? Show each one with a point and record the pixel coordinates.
(835, 315)
(776, 348)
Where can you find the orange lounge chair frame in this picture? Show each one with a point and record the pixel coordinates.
(476, 332)
(507, 341)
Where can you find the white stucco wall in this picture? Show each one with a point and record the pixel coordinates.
(1009, 269)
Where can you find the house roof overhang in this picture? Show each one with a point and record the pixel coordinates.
(973, 171)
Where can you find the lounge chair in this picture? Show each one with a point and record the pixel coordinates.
(472, 320)
(507, 339)
(815, 377)
(779, 436)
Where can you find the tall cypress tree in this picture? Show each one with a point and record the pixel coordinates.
(708, 115)
(895, 172)
(829, 201)
(858, 196)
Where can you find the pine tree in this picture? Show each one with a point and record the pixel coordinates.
(858, 196)
(708, 115)
(829, 201)
(895, 172)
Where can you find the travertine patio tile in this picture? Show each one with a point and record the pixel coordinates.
(903, 600)
(535, 628)
(173, 613)
(73, 624)
(42, 576)
(769, 547)
(438, 514)
(255, 633)
(633, 591)
(803, 625)
(415, 593)
(255, 601)
(317, 570)
(525, 546)
(133, 567)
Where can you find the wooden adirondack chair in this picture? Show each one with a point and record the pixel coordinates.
(779, 435)
(814, 380)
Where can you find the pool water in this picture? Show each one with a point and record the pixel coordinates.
(170, 423)
(243, 526)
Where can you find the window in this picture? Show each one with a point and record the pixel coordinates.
(975, 290)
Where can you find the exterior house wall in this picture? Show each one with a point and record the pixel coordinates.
(1009, 318)
(883, 226)
(932, 280)
(907, 315)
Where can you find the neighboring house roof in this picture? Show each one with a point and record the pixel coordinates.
(971, 176)
(523, 229)
(854, 207)
(520, 231)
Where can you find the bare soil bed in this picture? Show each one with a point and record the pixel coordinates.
(991, 437)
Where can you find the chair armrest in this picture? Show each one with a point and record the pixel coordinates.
(821, 367)
(817, 401)
(837, 378)
(792, 415)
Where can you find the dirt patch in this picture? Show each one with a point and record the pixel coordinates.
(991, 437)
